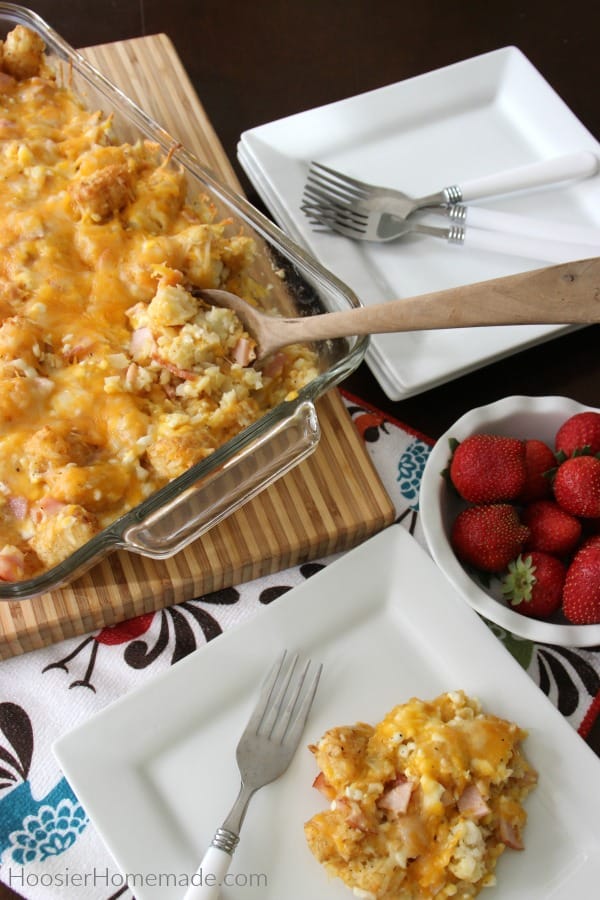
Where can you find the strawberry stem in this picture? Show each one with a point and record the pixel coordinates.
(517, 585)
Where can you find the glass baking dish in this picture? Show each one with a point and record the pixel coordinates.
(188, 506)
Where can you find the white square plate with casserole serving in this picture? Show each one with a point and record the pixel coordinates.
(473, 118)
(156, 771)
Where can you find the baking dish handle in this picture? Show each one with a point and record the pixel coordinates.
(214, 497)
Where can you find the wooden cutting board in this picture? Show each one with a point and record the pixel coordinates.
(331, 502)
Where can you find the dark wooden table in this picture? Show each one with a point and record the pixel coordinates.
(252, 63)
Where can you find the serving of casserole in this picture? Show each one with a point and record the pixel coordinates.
(422, 804)
(130, 412)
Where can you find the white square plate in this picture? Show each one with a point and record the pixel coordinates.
(469, 119)
(156, 771)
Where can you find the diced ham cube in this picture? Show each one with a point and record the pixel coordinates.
(243, 352)
(322, 785)
(472, 804)
(510, 835)
(397, 797)
(274, 365)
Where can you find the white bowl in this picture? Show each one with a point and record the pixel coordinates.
(522, 417)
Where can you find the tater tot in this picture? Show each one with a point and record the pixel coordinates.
(60, 534)
(96, 487)
(20, 339)
(23, 53)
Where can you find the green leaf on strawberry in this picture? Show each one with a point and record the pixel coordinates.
(579, 434)
(534, 584)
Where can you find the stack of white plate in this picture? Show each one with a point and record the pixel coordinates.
(473, 118)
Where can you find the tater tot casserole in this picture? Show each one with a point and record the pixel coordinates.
(115, 377)
(422, 804)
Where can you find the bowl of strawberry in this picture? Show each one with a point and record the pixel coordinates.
(510, 508)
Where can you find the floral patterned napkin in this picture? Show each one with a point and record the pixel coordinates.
(48, 847)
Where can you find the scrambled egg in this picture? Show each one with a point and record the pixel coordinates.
(114, 377)
(423, 804)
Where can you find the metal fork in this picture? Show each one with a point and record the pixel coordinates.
(361, 223)
(328, 185)
(264, 752)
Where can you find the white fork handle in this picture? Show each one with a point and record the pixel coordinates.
(209, 875)
(548, 171)
(531, 226)
(528, 247)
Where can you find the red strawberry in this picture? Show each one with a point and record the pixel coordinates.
(577, 486)
(488, 468)
(581, 593)
(581, 431)
(534, 584)
(539, 459)
(552, 529)
(488, 537)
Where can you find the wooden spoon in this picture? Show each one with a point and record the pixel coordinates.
(564, 294)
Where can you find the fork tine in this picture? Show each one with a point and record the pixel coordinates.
(332, 220)
(349, 216)
(331, 176)
(330, 191)
(320, 194)
(329, 223)
(285, 713)
(284, 700)
(340, 176)
(332, 225)
(275, 707)
(266, 691)
(303, 704)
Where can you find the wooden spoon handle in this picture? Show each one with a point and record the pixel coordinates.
(562, 294)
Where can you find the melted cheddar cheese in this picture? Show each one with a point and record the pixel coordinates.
(114, 378)
(424, 803)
